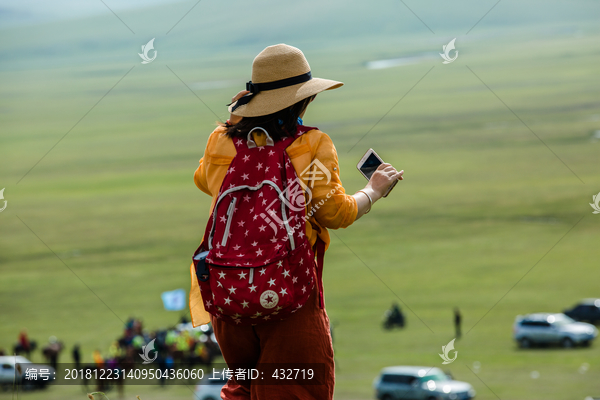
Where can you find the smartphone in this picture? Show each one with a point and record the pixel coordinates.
(368, 164)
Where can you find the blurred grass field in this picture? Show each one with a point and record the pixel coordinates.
(483, 200)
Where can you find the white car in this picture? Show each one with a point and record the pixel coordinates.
(209, 389)
(9, 373)
(547, 328)
(427, 383)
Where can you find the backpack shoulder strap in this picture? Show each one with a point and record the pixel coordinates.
(320, 250)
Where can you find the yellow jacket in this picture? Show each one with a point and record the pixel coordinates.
(329, 206)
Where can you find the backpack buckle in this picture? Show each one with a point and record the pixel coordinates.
(252, 143)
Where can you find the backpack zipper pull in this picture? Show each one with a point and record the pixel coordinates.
(229, 217)
(251, 275)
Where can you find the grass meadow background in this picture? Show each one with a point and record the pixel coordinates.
(109, 218)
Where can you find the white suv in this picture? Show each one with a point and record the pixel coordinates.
(546, 328)
(427, 383)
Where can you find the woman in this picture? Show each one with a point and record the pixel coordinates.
(276, 99)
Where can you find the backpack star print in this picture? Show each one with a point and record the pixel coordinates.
(255, 263)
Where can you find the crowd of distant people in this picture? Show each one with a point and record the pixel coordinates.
(25, 347)
(180, 344)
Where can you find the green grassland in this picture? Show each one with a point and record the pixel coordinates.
(485, 203)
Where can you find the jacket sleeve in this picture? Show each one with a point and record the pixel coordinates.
(330, 205)
(200, 176)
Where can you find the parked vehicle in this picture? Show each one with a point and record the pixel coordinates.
(209, 389)
(9, 372)
(546, 328)
(419, 383)
(588, 310)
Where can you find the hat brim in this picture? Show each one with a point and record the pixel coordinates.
(271, 101)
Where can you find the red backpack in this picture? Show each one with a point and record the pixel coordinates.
(255, 263)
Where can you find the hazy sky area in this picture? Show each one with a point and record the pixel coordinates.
(438, 14)
(21, 12)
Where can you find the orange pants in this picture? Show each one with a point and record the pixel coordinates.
(304, 337)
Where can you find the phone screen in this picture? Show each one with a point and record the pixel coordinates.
(370, 165)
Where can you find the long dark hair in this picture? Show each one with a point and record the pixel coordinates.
(279, 125)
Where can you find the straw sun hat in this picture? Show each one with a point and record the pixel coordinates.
(281, 77)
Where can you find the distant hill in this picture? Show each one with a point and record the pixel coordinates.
(213, 27)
